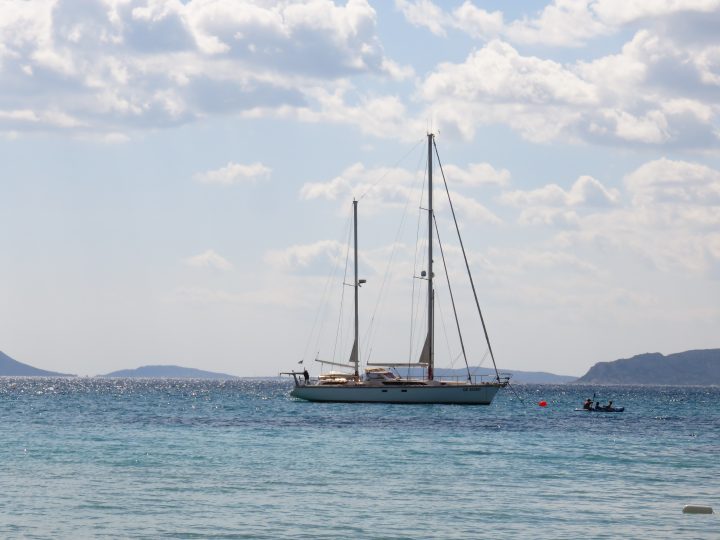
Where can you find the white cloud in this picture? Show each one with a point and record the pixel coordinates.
(359, 181)
(498, 73)
(585, 191)
(541, 99)
(391, 187)
(552, 205)
(665, 181)
(129, 65)
(663, 199)
(669, 220)
(424, 13)
(564, 23)
(619, 12)
(234, 173)
(659, 90)
(477, 174)
(114, 67)
(634, 97)
(477, 22)
(469, 208)
(302, 256)
(209, 259)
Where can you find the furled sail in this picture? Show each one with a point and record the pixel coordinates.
(425, 354)
(353, 353)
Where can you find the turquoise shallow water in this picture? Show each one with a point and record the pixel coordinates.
(84, 458)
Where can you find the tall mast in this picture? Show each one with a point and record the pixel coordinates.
(355, 354)
(431, 292)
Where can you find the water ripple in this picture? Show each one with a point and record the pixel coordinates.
(131, 458)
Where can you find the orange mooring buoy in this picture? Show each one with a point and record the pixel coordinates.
(543, 403)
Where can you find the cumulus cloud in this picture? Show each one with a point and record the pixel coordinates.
(553, 205)
(661, 89)
(586, 191)
(106, 65)
(477, 174)
(358, 180)
(634, 97)
(620, 12)
(564, 23)
(235, 173)
(209, 259)
(116, 66)
(499, 73)
(302, 256)
(496, 84)
(424, 13)
(385, 187)
(475, 21)
(668, 216)
(665, 181)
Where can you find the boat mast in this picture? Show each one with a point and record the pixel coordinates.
(355, 354)
(431, 292)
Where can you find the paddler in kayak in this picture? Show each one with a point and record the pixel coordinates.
(588, 404)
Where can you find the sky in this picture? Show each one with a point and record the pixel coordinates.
(176, 179)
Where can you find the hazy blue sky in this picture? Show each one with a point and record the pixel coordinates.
(176, 177)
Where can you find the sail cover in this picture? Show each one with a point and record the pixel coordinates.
(353, 353)
(425, 354)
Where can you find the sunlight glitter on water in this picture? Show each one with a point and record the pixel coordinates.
(240, 459)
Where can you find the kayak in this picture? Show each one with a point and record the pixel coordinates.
(612, 409)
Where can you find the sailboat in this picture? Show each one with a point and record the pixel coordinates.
(379, 382)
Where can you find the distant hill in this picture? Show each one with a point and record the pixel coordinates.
(9, 367)
(701, 367)
(520, 377)
(169, 372)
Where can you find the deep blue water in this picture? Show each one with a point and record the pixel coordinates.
(84, 458)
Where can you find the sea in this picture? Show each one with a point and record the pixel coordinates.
(129, 458)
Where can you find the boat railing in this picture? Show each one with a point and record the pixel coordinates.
(474, 379)
(299, 377)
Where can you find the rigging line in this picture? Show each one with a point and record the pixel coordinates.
(390, 169)
(381, 293)
(417, 242)
(338, 332)
(467, 265)
(452, 297)
(482, 361)
(383, 284)
(516, 394)
(319, 310)
(442, 321)
(325, 298)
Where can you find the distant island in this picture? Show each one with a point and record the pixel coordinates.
(519, 377)
(9, 367)
(168, 372)
(699, 367)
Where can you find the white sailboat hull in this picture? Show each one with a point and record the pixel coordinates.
(464, 394)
